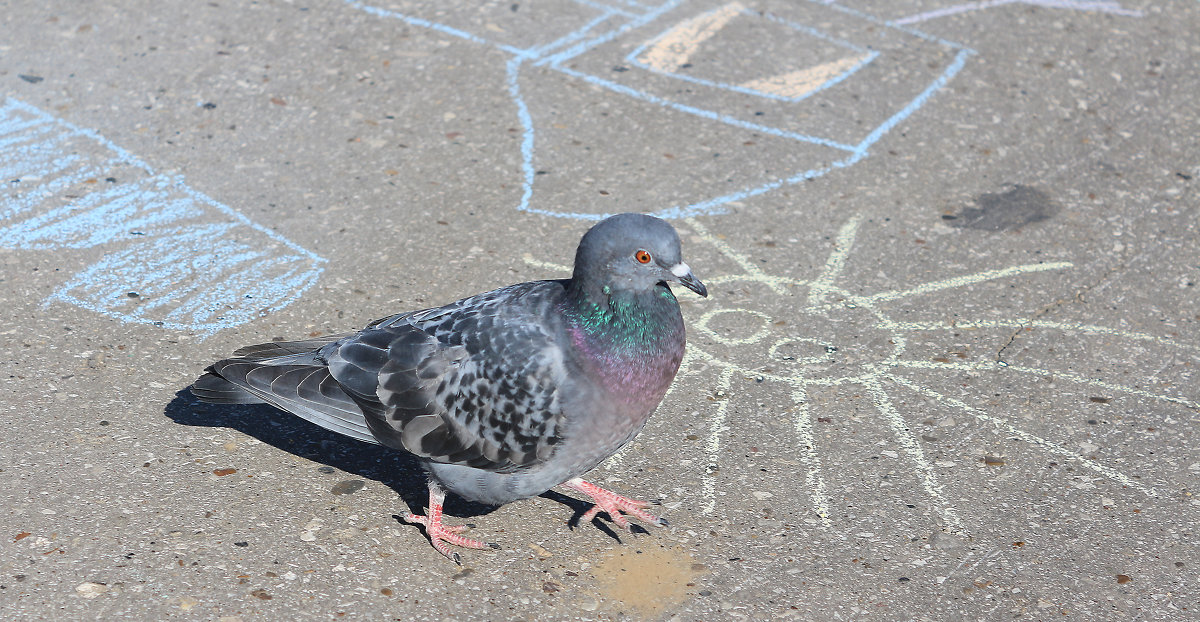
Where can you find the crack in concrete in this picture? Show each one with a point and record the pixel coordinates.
(1049, 307)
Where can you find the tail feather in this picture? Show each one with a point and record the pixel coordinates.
(214, 389)
(290, 378)
(278, 349)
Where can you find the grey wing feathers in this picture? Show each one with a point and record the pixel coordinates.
(473, 383)
(288, 376)
(214, 389)
(279, 349)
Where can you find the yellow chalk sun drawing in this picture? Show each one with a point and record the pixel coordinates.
(870, 353)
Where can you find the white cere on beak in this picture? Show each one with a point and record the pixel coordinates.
(681, 270)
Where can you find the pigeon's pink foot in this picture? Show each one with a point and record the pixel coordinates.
(613, 504)
(441, 536)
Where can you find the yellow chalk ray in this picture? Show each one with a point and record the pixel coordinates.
(1032, 439)
(823, 286)
(1071, 376)
(970, 279)
(1032, 323)
(676, 46)
(912, 448)
(753, 272)
(797, 84)
(806, 450)
(708, 485)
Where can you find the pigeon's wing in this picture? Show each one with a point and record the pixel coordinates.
(280, 349)
(291, 376)
(473, 383)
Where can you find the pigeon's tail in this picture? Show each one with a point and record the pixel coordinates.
(214, 389)
(287, 376)
(287, 351)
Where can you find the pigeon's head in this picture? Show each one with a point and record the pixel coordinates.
(635, 252)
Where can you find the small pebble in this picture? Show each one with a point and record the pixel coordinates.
(943, 541)
(347, 487)
(90, 589)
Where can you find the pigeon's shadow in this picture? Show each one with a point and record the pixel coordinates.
(397, 470)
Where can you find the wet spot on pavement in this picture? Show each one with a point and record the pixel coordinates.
(1005, 211)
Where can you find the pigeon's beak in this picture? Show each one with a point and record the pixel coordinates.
(685, 277)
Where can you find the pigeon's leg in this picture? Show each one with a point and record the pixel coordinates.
(613, 504)
(439, 534)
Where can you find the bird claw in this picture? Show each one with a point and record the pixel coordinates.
(614, 505)
(441, 535)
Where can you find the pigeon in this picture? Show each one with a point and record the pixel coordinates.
(503, 395)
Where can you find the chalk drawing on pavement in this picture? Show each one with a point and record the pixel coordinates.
(1104, 6)
(846, 341)
(869, 76)
(174, 257)
(671, 53)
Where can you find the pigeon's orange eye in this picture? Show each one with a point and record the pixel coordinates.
(642, 257)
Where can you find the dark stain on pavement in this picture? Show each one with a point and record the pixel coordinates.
(1005, 211)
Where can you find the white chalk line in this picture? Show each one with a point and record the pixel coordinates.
(912, 448)
(1033, 439)
(807, 450)
(969, 279)
(545, 265)
(708, 485)
(822, 287)
(825, 284)
(771, 281)
(701, 325)
(817, 493)
(1066, 375)
(777, 284)
(1032, 323)
(1102, 6)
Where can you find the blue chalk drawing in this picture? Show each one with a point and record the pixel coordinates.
(1105, 6)
(619, 21)
(174, 257)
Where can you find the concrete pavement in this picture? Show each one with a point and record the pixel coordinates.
(948, 368)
